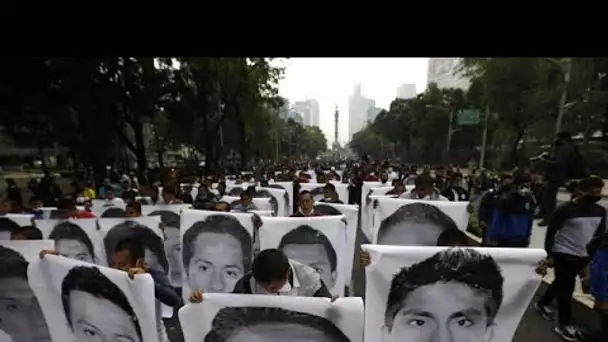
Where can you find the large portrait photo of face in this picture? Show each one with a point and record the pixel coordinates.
(447, 294)
(77, 240)
(91, 303)
(414, 223)
(351, 215)
(243, 318)
(318, 242)
(21, 316)
(7, 228)
(217, 251)
(288, 187)
(151, 238)
(173, 244)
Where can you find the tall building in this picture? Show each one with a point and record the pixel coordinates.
(285, 113)
(309, 109)
(444, 72)
(406, 91)
(358, 106)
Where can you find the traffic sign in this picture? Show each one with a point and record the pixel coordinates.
(467, 117)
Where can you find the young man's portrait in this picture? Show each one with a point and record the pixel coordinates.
(453, 296)
(73, 242)
(154, 246)
(268, 324)
(20, 314)
(173, 244)
(311, 247)
(414, 224)
(217, 252)
(96, 309)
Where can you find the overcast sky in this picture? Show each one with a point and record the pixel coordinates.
(331, 80)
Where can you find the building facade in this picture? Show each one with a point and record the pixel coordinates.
(406, 91)
(309, 109)
(444, 72)
(358, 106)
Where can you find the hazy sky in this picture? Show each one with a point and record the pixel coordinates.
(331, 80)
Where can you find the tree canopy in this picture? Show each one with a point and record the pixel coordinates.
(112, 110)
(523, 96)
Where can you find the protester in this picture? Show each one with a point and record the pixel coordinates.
(307, 206)
(424, 190)
(512, 215)
(245, 204)
(330, 195)
(570, 230)
(272, 273)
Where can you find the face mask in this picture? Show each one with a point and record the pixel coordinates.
(524, 191)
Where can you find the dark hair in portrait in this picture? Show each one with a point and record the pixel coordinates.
(12, 264)
(114, 212)
(317, 191)
(168, 217)
(8, 225)
(89, 279)
(463, 265)
(274, 204)
(417, 213)
(326, 209)
(27, 233)
(71, 231)
(218, 224)
(280, 187)
(306, 235)
(230, 321)
(133, 230)
(453, 237)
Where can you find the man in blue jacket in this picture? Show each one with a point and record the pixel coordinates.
(512, 215)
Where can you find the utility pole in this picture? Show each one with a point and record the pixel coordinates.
(450, 131)
(484, 137)
(562, 101)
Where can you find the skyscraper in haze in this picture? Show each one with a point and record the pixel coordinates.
(358, 106)
(406, 91)
(444, 72)
(309, 109)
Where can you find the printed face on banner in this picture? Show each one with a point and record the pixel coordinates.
(98, 304)
(173, 245)
(243, 318)
(315, 242)
(217, 252)
(449, 294)
(21, 317)
(412, 223)
(73, 241)
(151, 239)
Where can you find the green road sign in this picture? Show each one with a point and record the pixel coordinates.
(467, 117)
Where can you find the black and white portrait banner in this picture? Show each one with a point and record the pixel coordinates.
(288, 187)
(448, 294)
(77, 239)
(404, 222)
(217, 250)
(319, 242)
(263, 318)
(21, 318)
(89, 303)
(351, 214)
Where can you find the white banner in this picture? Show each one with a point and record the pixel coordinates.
(262, 318)
(319, 242)
(288, 187)
(404, 222)
(74, 238)
(84, 302)
(351, 213)
(448, 294)
(21, 317)
(217, 250)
